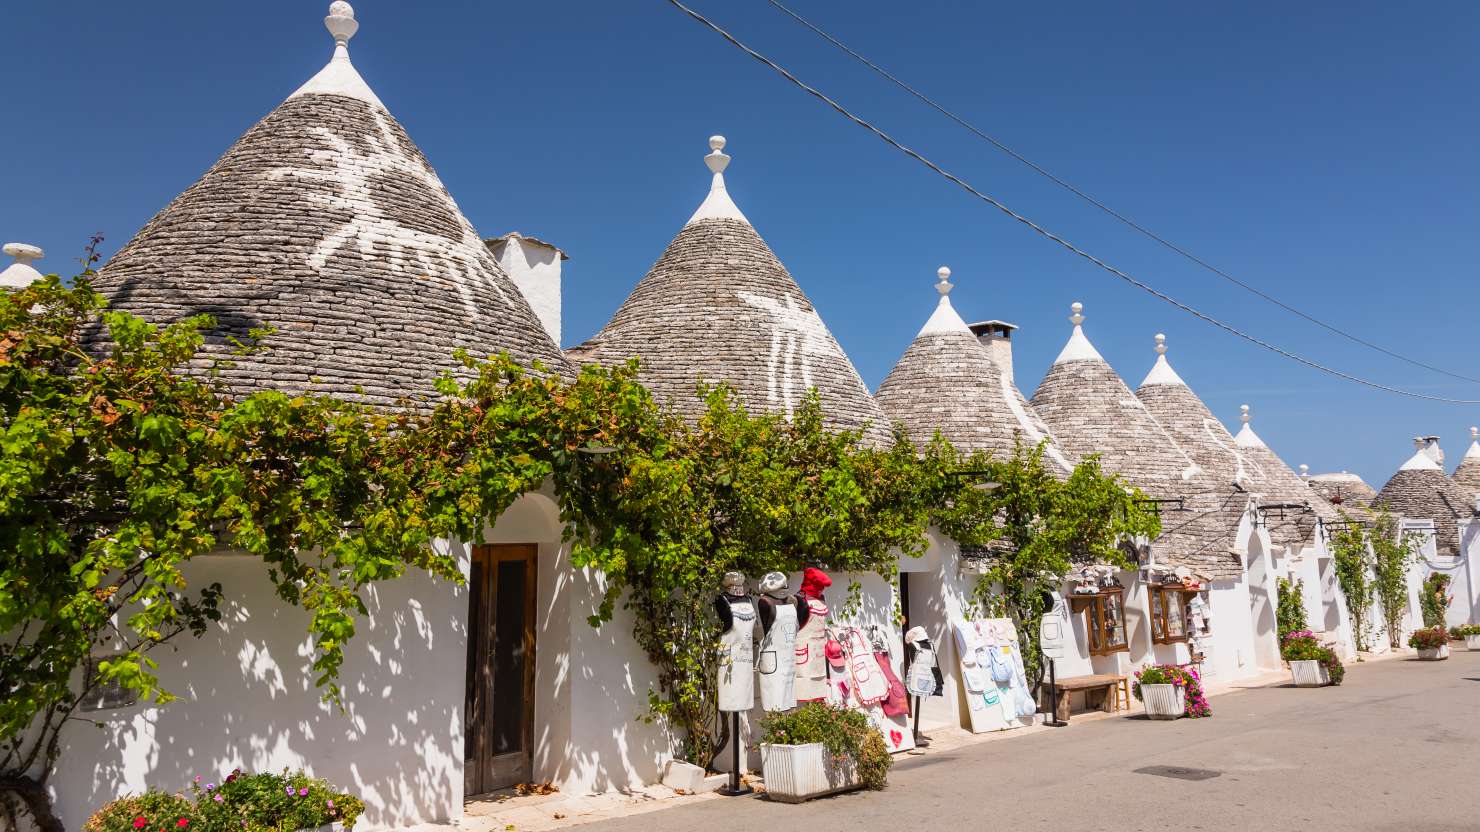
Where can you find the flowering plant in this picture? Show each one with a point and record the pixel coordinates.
(1301, 645)
(1430, 639)
(844, 732)
(241, 802)
(1464, 630)
(1183, 676)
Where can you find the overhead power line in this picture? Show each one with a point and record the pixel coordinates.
(1041, 231)
(1122, 218)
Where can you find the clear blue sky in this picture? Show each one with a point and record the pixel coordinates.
(1325, 152)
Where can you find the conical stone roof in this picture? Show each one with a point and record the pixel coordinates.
(947, 382)
(327, 223)
(719, 307)
(1091, 411)
(1343, 490)
(1467, 475)
(1421, 490)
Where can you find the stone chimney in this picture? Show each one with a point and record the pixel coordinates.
(996, 336)
(1430, 446)
(21, 273)
(534, 266)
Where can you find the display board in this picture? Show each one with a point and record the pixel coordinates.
(994, 685)
(863, 676)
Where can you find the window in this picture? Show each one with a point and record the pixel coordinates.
(1168, 622)
(100, 695)
(1104, 621)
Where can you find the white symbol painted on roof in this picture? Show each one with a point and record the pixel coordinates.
(797, 336)
(374, 232)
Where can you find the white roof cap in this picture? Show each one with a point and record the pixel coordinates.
(1079, 348)
(21, 273)
(945, 318)
(718, 205)
(339, 76)
(1421, 461)
(1246, 437)
(1474, 451)
(1161, 371)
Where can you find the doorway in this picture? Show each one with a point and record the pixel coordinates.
(499, 710)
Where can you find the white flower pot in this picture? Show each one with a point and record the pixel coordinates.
(1472, 642)
(1434, 654)
(1309, 673)
(1164, 701)
(795, 773)
(336, 826)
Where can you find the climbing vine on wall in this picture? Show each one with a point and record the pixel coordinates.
(1394, 551)
(1290, 606)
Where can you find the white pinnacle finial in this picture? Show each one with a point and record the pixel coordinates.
(1161, 344)
(944, 286)
(21, 273)
(717, 160)
(1243, 413)
(1304, 471)
(1076, 319)
(1474, 434)
(341, 22)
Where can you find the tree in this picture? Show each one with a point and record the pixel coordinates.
(1393, 552)
(1290, 607)
(1435, 599)
(1352, 553)
(1036, 528)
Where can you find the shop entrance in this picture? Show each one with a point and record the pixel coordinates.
(499, 710)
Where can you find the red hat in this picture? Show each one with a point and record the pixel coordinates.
(834, 651)
(814, 581)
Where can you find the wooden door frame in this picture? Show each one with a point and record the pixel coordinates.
(482, 767)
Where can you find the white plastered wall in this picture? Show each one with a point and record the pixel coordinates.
(247, 698)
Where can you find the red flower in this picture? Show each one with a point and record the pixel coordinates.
(182, 822)
(140, 823)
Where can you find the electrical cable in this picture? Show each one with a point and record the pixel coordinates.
(1127, 221)
(1041, 231)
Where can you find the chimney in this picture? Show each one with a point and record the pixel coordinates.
(1430, 446)
(996, 337)
(21, 273)
(534, 266)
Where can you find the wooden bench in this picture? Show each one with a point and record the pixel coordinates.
(1107, 691)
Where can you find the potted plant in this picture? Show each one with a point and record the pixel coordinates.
(286, 802)
(1312, 664)
(819, 749)
(1432, 644)
(1171, 691)
(1470, 633)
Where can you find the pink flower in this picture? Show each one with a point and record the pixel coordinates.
(210, 786)
(140, 823)
(197, 778)
(182, 822)
(303, 792)
(289, 790)
(218, 798)
(331, 803)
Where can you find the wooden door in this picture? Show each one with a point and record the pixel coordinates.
(499, 713)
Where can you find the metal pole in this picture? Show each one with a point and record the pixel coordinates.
(734, 789)
(1053, 696)
(920, 739)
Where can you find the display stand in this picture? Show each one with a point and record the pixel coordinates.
(1053, 699)
(921, 740)
(734, 788)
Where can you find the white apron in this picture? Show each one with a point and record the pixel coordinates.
(737, 658)
(811, 654)
(777, 665)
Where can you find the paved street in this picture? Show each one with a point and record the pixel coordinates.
(1395, 748)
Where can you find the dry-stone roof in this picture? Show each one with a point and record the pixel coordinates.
(1343, 489)
(1421, 490)
(718, 306)
(1467, 475)
(947, 382)
(1091, 411)
(327, 223)
(1226, 460)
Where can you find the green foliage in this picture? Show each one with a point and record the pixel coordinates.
(1435, 599)
(1352, 554)
(1464, 631)
(736, 492)
(1187, 678)
(1430, 638)
(844, 732)
(1393, 552)
(152, 811)
(1290, 607)
(1301, 645)
(1036, 526)
(263, 802)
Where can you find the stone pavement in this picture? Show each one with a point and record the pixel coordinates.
(1390, 749)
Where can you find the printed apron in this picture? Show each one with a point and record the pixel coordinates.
(737, 658)
(777, 665)
(810, 682)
